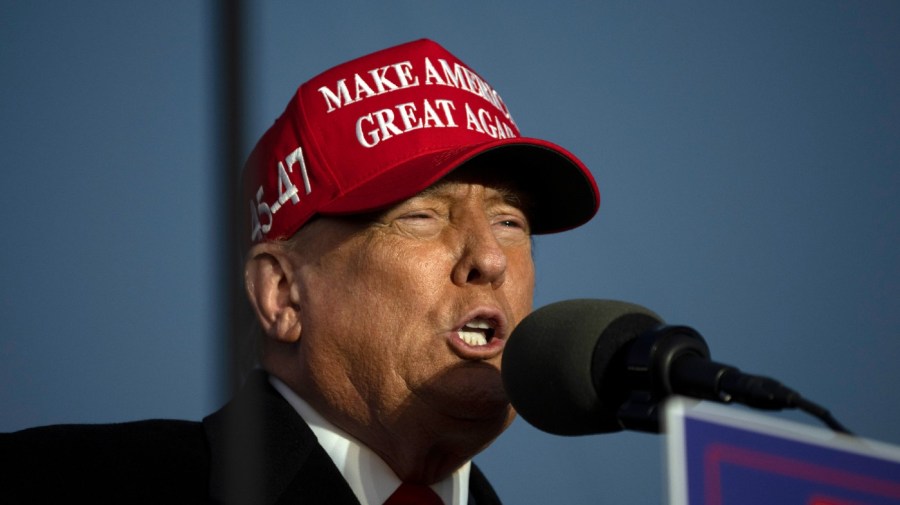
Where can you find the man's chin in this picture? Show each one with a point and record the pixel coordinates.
(469, 394)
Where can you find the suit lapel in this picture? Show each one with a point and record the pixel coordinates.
(480, 490)
(263, 453)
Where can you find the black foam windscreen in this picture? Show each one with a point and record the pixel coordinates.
(557, 365)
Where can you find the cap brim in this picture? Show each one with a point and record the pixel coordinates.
(561, 191)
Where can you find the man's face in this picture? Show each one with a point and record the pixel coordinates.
(404, 314)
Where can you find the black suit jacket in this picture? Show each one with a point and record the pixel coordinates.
(256, 450)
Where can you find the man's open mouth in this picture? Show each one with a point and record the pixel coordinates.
(477, 332)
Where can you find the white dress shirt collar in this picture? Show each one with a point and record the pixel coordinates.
(370, 478)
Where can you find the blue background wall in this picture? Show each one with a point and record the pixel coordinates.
(748, 156)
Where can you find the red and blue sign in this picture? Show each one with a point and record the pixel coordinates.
(720, 455)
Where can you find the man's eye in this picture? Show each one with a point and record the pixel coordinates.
(417, 215)
(512, 223)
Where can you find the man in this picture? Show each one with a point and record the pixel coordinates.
(388, 258)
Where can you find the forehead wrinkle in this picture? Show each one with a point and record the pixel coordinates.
(506, 192)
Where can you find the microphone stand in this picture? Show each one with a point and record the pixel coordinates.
(669, 360)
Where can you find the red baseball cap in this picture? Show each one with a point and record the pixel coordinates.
(379, 129)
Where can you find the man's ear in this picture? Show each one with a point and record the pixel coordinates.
(270, 283)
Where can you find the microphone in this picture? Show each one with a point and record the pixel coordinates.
(589, 366)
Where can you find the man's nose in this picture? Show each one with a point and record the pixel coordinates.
(483, 259)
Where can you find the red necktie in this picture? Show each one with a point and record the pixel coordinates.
(414, 494)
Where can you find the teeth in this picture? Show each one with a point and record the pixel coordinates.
(472, 337)
(475, 332)
(481, 324)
